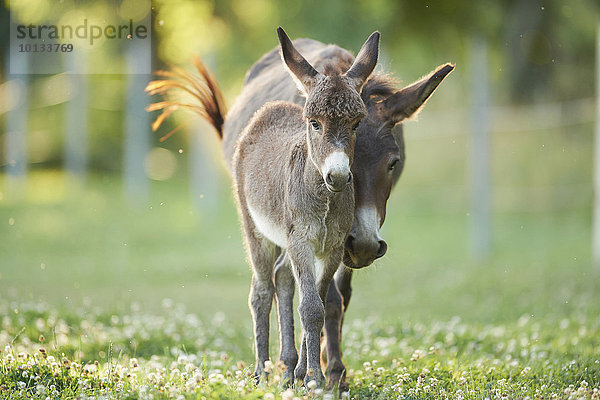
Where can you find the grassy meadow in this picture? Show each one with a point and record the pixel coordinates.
(104, 299)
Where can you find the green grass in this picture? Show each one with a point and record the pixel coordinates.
(173, 354)
(91, 274)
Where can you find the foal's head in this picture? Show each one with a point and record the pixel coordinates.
(333, 109)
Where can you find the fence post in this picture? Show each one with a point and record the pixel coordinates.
(479, 152)
(596, 222)
(137, 128)
(76, 130)
(16, 128)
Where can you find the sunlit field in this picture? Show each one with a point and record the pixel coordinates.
(101, 299)
(123, 273)
(171, 353)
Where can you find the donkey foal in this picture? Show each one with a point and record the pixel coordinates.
(293, 185)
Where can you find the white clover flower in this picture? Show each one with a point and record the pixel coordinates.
(287, 395)
(269, 396)
(189, 368)
(312, 385)
(182, 359)
(417, 355)
(269, 366)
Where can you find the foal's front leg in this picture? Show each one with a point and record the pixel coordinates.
(312, 311)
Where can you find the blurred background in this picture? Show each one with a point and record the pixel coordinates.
(492, 218)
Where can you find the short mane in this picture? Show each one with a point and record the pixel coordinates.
(379, 84)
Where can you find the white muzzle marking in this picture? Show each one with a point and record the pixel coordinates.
(368, 223)
(336, 163)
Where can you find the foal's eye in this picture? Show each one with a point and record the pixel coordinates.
(315, 125)
(355, 126)
(393, 164)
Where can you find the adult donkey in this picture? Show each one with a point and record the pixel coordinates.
(378, 159)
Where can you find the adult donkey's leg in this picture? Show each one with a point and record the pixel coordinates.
(338, 297)
(284, 288)
(262, 254)
(335, 371)
(343, 281)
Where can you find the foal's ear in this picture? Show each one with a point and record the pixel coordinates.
(407, 102)
(303, 73)
(365, 61)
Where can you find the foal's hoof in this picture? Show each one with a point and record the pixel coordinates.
(260, 375)
(287, 380)
(300, 372)
(314, 380)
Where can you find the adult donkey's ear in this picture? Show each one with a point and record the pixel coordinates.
(365, 61)
(407, 102)
(303, 73)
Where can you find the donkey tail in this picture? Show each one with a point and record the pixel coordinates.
(204, 89)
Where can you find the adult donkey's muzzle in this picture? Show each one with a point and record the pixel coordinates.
(364, 252)
(363, 244)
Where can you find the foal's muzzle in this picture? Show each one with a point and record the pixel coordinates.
(336, 171)
(336, 182)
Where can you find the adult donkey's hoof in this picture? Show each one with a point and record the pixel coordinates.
(337, 377)
(339, 381)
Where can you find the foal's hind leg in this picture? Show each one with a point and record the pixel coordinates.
(262, 254)
(284, 288)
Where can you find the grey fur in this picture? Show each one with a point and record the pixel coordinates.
(379, 143)
(286, 201)
(378, 162)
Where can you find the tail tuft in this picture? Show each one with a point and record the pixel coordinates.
(203, 88)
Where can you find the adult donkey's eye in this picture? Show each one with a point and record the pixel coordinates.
(315, 125)
(393, 164)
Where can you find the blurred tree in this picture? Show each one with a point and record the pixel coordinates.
(538, 50)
